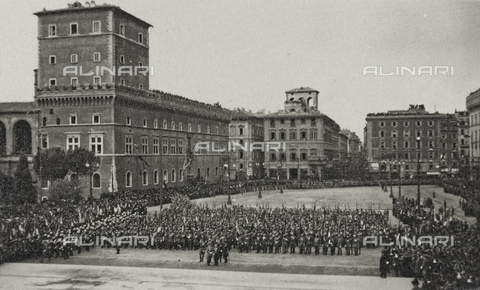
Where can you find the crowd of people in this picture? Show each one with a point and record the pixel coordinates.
(39, 231)
(468, 191)
(454, 265)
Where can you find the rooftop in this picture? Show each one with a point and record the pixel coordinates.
(302, 90)
(18, 107)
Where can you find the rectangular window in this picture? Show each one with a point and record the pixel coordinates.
(140, 38)
(96, 143)
(313, 134)
(128, 144)
(52, 59)
(313, 123)
(73, 142)
(96, 26)
(74, 81)
(394, 124)
(394, 144)
(382, 134)
(406, 133)
(419, 133)
(303, 135)
(272, 135)
(431, 133)
(406, 123)
(73, 28)
(140, 86)
(240, 131)
(122, 29)
(156, 146)
(97, 80)
(382, 145)
(96, 57)
(173, 147)
(431, 155)
(74, 58)
(144, 145)
(52, 30)
(406, 157)
(180, 146)
(164, 146)
(44, 142)
(122, 82)
(293, 135)
(129, 121)
(407, 144)
(430, 144)
(73, 119)
(155, 124)
(122, 59)
(381, 124)
(96, 119)
(418, 123)
(145, 123)
(394, 134)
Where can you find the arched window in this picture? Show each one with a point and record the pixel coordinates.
(199, 129)
(145, 178)
(128, 179)
(198, 172)
(180, 175)
(165, 176)
(22, 137)
(216, 171)
(173, 175)
(208, 172)
(44, 121)
(58, 121)
(155, 176)
(96, 183)
(165, 124)
(3, 139)
(173, 125)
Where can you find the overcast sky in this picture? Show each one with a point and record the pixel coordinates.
(248, 53)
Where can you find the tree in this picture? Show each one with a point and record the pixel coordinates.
(50, 164)
(82, 161)
(6, 189)
(24, 190)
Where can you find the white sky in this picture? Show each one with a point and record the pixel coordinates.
(248, 53)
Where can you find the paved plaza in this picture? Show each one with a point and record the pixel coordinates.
(54, 276)
(155, 269)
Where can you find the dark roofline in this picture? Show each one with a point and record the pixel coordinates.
(302, 90)
(97, 7)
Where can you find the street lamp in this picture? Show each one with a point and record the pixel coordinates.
(280, 165)
(418, 171)
(92, 168)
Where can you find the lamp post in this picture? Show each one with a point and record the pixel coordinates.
(92, 168)
(280, 165)
(418, 171)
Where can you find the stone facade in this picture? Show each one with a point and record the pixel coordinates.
(473, 107)
(246, 129)
(395, 141)
(308, 138)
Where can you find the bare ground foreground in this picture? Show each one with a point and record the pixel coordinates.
(162, 269)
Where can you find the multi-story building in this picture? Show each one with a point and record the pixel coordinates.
(92, 91)
(308, 138)
(246, 159)
(342, 146)
(463, 121)
(354, 144)
(473, 107)
(397, 140)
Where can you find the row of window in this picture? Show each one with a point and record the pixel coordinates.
(96, 28)
(293, 156)
(169, 146)
(313, 122)
(96, 57)
(405, 123)
(418, 133)
(406, 144)
(173, 126)
(72, 142)
(97, 80)
(408, 155)
(293, 135)
(475, 119)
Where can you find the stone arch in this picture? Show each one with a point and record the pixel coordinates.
(22, 137)
(3, 139)
(309, 100)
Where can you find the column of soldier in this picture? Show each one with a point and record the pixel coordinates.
(38, 231)
(454, 266)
